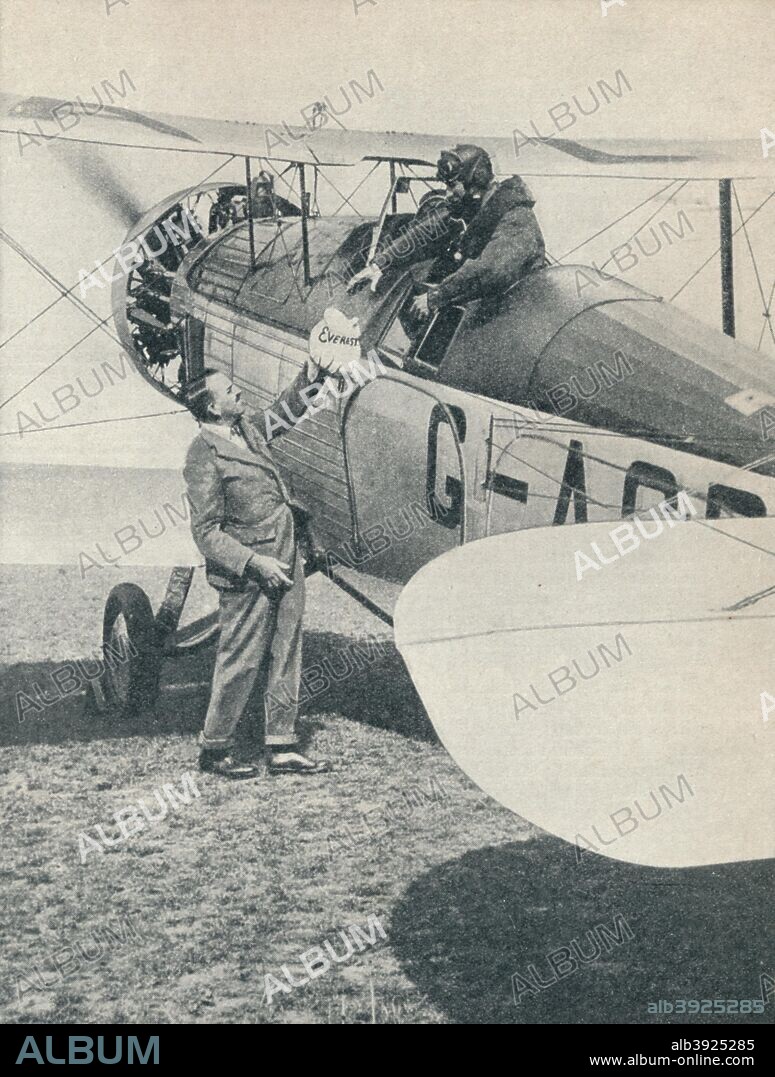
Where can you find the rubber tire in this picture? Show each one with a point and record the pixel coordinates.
(143, 667)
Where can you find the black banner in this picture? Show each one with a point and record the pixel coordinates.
(579, 1047)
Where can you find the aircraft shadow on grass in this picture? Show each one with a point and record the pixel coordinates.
(379, 694)
(462, 930)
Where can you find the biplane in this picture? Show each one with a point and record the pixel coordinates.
(439, 491)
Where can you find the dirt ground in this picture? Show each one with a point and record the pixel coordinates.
(181, 921)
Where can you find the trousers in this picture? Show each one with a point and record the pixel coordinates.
(258, 632)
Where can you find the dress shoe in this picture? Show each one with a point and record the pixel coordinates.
(296, 763)
(217, 763)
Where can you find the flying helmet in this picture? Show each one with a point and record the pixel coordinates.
(469, 166)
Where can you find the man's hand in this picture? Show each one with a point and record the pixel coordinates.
(270, 571)
(371, 273)
(420, 308)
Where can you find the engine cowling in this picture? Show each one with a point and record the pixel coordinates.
(146, 267)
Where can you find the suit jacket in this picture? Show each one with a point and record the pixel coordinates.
(239, 502)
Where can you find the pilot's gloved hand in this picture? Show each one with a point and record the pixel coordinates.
(419, 307)
(371, 273)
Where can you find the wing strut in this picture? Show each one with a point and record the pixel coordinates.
(249, 208)
(393, 200)
(304, 226)
(727, 266)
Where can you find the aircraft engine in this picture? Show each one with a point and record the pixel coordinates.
(146, 266)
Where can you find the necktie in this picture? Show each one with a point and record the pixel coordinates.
(235, 435)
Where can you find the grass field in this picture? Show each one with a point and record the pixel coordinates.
(181, 921)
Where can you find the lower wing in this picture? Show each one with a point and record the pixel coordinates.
(627, 708)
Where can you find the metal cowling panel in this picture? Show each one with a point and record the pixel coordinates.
(654, 371)
(500, 342)
(317, 473)
(310, 454)
(215, 285)
(224, 267)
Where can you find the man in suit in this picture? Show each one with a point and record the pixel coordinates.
(241, 520)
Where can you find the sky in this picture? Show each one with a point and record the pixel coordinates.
(700, 67)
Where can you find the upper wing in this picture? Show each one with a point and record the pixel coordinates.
(631, 712)
(530, 154)
(642, 158)
(43, 118)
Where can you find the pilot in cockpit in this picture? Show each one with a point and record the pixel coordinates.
(482, 233)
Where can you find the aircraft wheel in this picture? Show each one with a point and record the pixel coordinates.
(130, 643)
